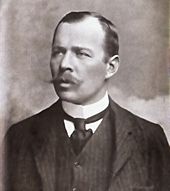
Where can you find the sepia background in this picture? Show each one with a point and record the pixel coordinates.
(141, 84)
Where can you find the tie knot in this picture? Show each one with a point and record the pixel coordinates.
(79, 124)
(80, 135)
(82, 121)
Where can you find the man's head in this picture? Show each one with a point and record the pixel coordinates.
(84, 57)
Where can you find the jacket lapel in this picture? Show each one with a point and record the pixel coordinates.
(45, 146)
(125, 133)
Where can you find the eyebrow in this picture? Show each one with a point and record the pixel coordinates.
(58, 48)
(75, 48)
(78, 48)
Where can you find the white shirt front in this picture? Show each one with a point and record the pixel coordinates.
(84, 111)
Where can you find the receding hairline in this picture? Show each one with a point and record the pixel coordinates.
(109, 28)
(72, 20)
(81, 20)
(90, 22)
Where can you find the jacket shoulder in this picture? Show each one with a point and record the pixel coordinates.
(149, 130)
(31, 125)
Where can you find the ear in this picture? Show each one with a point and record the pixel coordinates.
(112, 66)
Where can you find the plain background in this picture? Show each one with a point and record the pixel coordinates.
(26, 30)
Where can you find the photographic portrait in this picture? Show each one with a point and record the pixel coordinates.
(140, 84)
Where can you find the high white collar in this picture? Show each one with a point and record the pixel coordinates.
(85, 111)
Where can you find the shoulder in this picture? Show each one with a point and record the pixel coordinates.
(150, 131)
(28, 127)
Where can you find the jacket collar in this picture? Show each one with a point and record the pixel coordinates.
(127, 136)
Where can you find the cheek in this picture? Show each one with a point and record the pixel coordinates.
(97, 73)
(93, 78)
(54, 67)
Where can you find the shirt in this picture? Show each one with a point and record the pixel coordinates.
(84, 111)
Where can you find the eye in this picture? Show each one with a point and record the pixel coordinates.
(58, 52)
(82, 53)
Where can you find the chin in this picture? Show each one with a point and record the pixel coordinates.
(69, 97)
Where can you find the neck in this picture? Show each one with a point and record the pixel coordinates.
(85, 111)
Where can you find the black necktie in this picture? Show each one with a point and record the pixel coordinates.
(80, 136)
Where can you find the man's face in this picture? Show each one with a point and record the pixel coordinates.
(77, 62)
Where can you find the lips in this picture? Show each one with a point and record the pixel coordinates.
(65, 80)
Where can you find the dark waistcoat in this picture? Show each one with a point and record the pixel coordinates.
(91, 169)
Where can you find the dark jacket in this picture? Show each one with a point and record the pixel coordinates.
(141, 162)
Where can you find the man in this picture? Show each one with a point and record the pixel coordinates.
(112, 149)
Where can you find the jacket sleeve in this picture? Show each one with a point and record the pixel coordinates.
(20, 169)
(159, 159)
(165, 150)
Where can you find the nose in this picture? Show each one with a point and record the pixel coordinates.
(66, 61)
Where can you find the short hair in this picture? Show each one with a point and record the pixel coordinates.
(111, 44)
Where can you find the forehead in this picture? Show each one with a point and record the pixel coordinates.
(87, 31)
